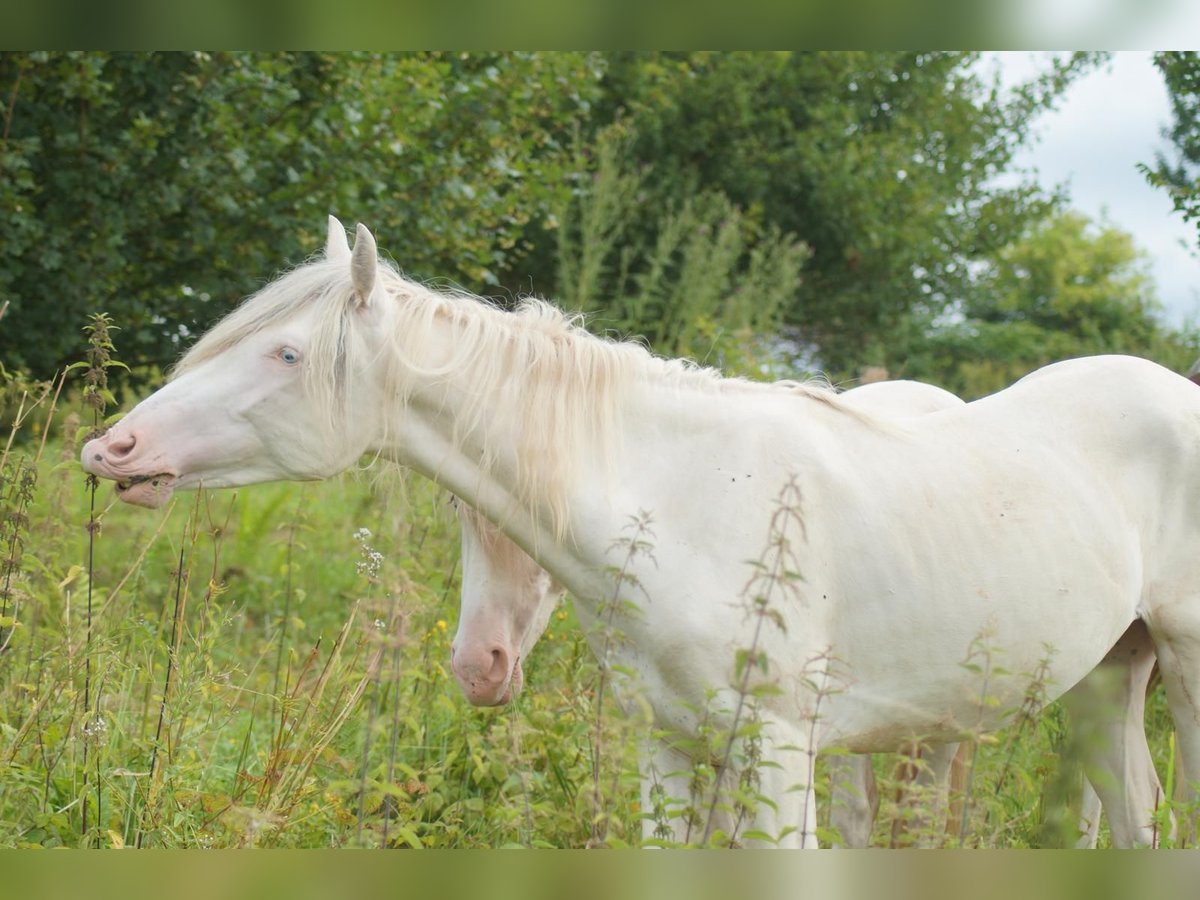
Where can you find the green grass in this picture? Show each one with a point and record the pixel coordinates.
(247, 685)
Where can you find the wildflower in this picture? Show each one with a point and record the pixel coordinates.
(370, 564)
(96, 729)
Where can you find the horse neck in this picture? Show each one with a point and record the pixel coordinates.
(645, 426)
(473, 436)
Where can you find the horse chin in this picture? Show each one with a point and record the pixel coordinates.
(150, 492)
(516, 681)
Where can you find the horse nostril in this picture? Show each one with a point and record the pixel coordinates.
(499, 666)
(121, 447)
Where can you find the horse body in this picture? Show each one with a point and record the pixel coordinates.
(507, 599)
(990, 516)
(1056, 512)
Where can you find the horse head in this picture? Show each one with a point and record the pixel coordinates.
(507, 599)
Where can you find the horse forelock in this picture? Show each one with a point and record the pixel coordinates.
(319, 282)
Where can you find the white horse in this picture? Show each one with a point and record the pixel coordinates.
(507, 600)
(1033, 526)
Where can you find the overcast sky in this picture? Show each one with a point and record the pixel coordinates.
(1108, 122)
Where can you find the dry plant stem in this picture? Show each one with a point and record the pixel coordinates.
(16, 426)
(93, 526)
(288, 779)
(285, 730)
(522, 774)
(633, 546)
(181, 579)
(287, 601)
(293, 779)
(968, 796)
(50, 413)
(165, 699)
(376, 677)
(136, 565)
(394, 741)
(217, 532)
(396, 636)
(774, 575)
(24, 481)
(99, 359)
(824, 661)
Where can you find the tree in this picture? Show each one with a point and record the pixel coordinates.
(1180, 177)
(882, 163)
(1068, 287)
(164, 187)
(694, 278)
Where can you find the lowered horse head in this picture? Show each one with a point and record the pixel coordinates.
(278, 390)
(507, 599)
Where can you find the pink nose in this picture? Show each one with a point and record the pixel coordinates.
(482, 672)
(109, 449)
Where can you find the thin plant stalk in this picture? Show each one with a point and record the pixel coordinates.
(287, 601)
(635, 545)
(372, 715)
(93, 527)
(394, 741)
(181, 579)
(779, 573)
(100, 358)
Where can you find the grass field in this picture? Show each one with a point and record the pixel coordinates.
(269, 668)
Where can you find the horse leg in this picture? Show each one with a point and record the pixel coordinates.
(956, 789)
(934, 781)
(1089, 818)
(786, 781)
(1175, 629)
(925, 775)
(1107, 709)
(854, 798)
(670, 814)
(675, 810)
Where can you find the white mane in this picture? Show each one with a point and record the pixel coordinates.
(536, 367)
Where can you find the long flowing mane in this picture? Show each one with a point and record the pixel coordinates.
(535, 367)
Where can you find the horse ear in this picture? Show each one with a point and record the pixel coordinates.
(336, 246)
(363, 265)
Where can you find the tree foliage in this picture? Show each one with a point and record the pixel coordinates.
(1068, 287)
(1180, 176)
(708, 201)
(164, 187)
(883, 163)
(697, 279)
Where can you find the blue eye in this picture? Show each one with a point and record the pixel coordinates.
(289, 356)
